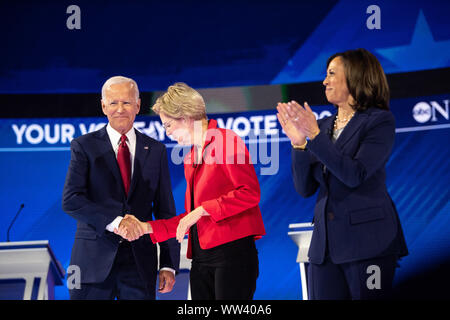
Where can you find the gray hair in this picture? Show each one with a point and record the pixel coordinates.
(117, 80)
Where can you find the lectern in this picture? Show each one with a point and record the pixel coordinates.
(29, 270)
(301, 234)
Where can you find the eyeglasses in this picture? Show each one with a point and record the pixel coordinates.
(167, 124)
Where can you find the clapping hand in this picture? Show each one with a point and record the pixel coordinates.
(294, 134)
(130, 228)
(297, 122)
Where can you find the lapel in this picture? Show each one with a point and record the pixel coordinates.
(141, 153)
(190, 168)
(107, 153)
(189, 172)
(327, 125)
(350, 129)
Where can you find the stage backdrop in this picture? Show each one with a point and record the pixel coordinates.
(209, 44)
(34, 156)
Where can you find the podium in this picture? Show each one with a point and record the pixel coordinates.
(301, 234)
(29, 270)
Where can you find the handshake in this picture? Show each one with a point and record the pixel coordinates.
(130, 228)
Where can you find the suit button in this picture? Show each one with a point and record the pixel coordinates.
(330, 216)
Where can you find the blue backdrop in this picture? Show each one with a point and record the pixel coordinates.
(209, 43)
(34, 156)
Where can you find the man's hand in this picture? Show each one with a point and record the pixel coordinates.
(130, 228)
(166, 281)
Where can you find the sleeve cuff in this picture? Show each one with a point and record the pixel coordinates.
(152, 235)
(213, 208)
(114, 224)
(167, 269)
(159, 233)
(316, 141)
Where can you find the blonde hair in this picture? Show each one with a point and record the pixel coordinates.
(181, 101)
(117, 80)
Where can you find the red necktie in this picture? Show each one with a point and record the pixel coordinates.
(124, 161)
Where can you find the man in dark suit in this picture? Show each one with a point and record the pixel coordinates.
(117, 176)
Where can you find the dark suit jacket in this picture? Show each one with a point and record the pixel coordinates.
(354, 215)
(94, 195)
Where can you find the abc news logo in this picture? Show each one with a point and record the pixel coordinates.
(424, 112)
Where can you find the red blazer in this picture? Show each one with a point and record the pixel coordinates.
(225, 184)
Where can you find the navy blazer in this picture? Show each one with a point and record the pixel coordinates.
(94, 195)
(354, 215)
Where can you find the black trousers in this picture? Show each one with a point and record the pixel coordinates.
(228, 282)
(122, 283)
(359, 280)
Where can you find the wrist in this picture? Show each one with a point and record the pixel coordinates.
(315, 134)
(301, 146)
(202, 212)
(148, 228)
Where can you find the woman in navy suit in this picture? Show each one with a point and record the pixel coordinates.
(357, 237)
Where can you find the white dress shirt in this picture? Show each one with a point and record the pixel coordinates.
(115, 137)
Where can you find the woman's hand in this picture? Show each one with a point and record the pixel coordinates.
(294, 134)
(188, 221)
(302, 119)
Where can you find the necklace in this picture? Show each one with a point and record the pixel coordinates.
(343, 121)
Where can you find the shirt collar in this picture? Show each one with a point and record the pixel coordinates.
(114, 136)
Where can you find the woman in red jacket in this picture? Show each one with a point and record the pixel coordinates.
(222, 215)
